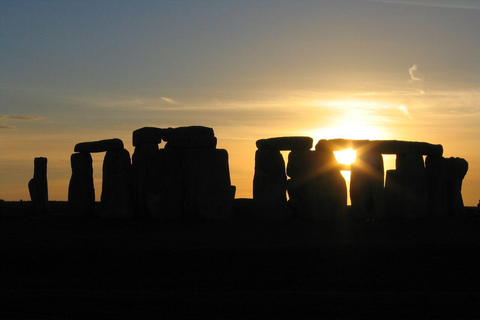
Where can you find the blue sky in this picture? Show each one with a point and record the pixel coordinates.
(73, 71)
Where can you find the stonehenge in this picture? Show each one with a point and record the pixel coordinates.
(189, 178)
(38, 186)
(317, 191)
(117, 197)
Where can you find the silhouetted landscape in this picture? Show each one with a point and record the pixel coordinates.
(154, 248)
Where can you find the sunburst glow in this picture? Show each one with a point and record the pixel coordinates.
(345, 156)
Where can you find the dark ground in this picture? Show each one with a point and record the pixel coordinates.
(58, 267)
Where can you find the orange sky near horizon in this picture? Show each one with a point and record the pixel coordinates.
(85, 71)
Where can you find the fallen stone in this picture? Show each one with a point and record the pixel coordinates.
(81, 192)
(147, 135)
(38, 186)
(366, 186)
(117, 185)
(99, 146)
(285, 143)
(269, 185)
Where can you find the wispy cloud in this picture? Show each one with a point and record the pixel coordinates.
(413, 74)
(169, 100)
(447, 4)
(20, 118)
(6, 127)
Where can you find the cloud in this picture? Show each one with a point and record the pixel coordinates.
(447, 4)
(20, 118)
(412, 71)
(169, 100)
(6, 127)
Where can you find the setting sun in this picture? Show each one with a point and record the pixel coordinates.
(345, 156)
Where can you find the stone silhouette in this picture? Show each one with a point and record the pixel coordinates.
(444, 178)
(189, 178)
(270, 180)
(38, 186)
(366, 186)
(81, 191)
(317, 189)
(117, 185)
(117, 189)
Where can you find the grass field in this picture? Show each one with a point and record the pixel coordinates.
(58, 267)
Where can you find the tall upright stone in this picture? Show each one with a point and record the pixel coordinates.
(208, 190)
(165, 190)
(81, 192)
(142, 166)
(117, 185)
(366, 186)
(38, 186)
(316, 187)
(412, 179)
(269, 185)
(435, 167)
(456, 169)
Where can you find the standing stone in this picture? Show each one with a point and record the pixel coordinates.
(142, 166)
(393, 192)
(456, 169)
(208, 190)
(445, 176)
(165, 191)
(435, 167)
(269, 185)
(81, 192)
(38, 186)
(316, 187)
(412, 179)
(366, 186)
(117, 185)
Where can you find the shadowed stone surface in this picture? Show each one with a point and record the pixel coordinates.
(269, 185)
(381, 146)
(117, 185)
(317, 189)
(99, 146)
(147, 135)
(366, 186)
(208, 190)
(81, 192)
(192, 142)
(190, 137)
(285, 143)
(445, 176)
(165, 192)
(456, 169)
(142, 166)
(407, 188)
(38, 186)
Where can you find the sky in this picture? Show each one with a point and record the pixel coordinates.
(75, 71)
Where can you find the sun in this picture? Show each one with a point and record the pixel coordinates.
(346, 156)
